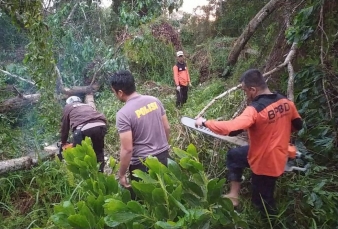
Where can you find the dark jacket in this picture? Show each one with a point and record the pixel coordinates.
(76, 114)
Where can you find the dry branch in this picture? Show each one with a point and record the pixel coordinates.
(287, 60)
(71, 14)
(17, 77)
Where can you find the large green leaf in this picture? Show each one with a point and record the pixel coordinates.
(177, 193)
(181, 153)
(90, 161)
(175, 169)
(144, 176)
(66, 208)
(125, 195)
(194, 188)
(191, 199)
(178, 204)
(156, 166)
(79, 221)
(191, 165)
(113, 206)
(136, 207)
(159, 196)
(96, 204)
(192, 150)
(198, 179)
(143, 187)
(112, 185)
(161, 212)
(168, 225)
(118, 218)
(60, 220)
(85, 211)
(214, 188)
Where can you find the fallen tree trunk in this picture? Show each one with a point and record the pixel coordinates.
(250, 29)
(26, 162)
(76, 90)
(18, 102)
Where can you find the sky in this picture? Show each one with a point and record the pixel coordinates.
(188, 5)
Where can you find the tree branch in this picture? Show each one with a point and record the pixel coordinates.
(250, 29)
(71, 14)
(288, 59)
(17, 77)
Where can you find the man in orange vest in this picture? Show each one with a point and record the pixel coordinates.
(269, 119)
(182, 79)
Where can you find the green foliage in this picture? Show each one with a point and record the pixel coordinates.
(232, 16)
(150, 58)
(140, 12)
(177, 196)
(26, 196)
(302, 26)
(81, 53)
(11, 37)
(319, 127)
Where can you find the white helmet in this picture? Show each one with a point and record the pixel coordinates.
(73, 99)
(179, 53)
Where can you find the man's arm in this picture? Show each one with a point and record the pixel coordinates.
(65, 126)
(242, 122)
(175, 70)
(166, 126)
(296, 120)
(188, 75)
(126, 151)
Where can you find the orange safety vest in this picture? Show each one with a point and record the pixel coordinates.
(181, 74)
(268, 122)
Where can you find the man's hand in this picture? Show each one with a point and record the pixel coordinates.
(199, 121)
(178, 88)
(190, 84)
(123, 181)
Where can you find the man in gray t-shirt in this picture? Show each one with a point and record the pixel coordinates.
(142, 125)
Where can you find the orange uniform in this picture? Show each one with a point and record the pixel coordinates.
(269, 120)
(181, 74)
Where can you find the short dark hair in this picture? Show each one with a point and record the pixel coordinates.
(253, 78)
(123, 80)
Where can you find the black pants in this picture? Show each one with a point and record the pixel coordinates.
(181, 96)
(263, 187)
(162, 157)
(97, 136)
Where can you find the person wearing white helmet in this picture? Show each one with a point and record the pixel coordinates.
(73, 99)
(84, 121)
(182, 79)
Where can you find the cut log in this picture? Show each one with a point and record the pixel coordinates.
(28, 161)
(18, 102)
(15, 164)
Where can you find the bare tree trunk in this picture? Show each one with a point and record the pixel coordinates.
(250, 29)
(89, 99)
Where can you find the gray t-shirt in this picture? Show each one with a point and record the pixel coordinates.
(142, 115)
